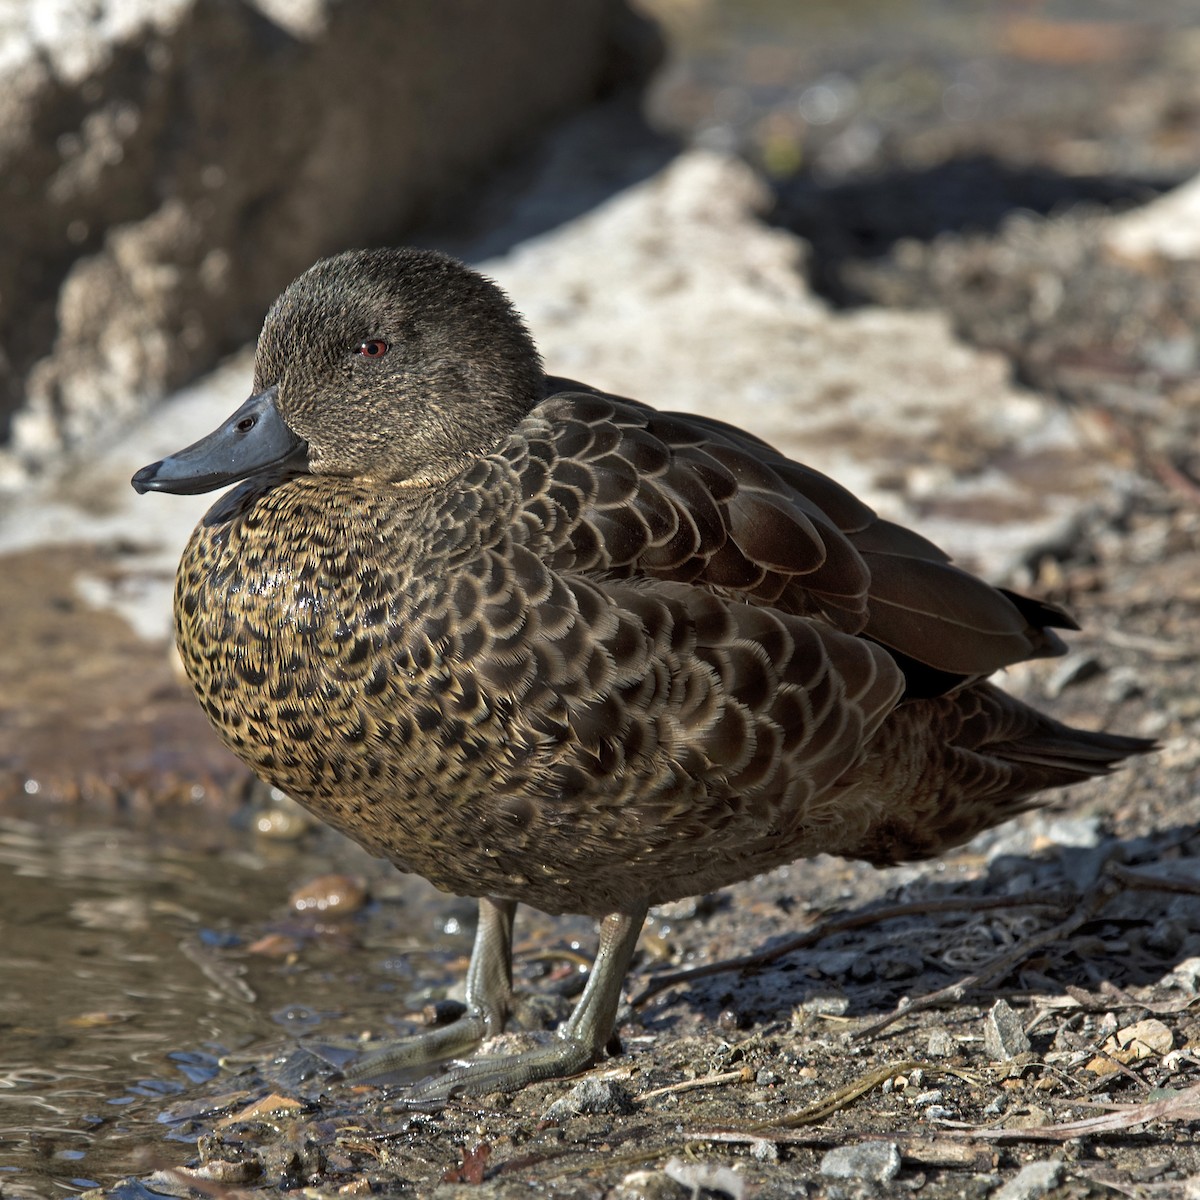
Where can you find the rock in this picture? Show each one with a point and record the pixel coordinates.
(942, 1044)
(1166, 228)
(1033, 1180)
(939, 1112)
(1003, 1035)
(706, 1177)
(877, 1162)
(331, 895)
(171, 164)
(1144, 1039)
(677, 292)
(591, 1096)
(649, 1185)
(1078, 832)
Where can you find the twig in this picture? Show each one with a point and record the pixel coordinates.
(742, 1076)
(1184, 1107)
(803, 941)
(1142, 882)
(1089, 905)
(915, 1147)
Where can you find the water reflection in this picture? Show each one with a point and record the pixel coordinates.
(137, 961)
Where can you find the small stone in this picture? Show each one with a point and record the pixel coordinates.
(827, 1004)
(1186, 974)
(591, 1096)
(1003, 1036)
(927, 1098)
(877, 1162)
(1032, 1118)
(997, 1106)
(648, 1185)
(707, 1177)
(1083, 833)
(941, 1044)
(766, 1078)
(329, 895)
(729, 1020)
(1033, 1180)
(938, 1112)
(1146, 1038)
(763, 1150)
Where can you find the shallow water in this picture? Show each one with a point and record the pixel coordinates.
(137, 962)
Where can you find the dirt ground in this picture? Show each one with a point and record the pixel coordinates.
(1020, 1019)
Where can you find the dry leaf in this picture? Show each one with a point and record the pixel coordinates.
(266, 1107)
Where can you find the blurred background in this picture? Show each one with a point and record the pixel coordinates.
(947, 252)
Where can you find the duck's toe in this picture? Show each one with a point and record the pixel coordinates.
(562, 1055)
(399, 1058)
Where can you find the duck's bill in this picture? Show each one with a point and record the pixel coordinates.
(254, 441)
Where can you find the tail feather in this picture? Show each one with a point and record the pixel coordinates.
(1066, 755)
(981, 756)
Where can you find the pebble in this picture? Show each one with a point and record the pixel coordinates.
(942, 1044)
(283, 822)
(591, 1096)
(877, 1162)
(763, 1150)
(649, 1185)
(1146, 1038)
(1003, 1036)
(331, 895)
(824, 1004)
(1033, 1180)
(706, 1177)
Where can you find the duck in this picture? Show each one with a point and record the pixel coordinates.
(545, 645)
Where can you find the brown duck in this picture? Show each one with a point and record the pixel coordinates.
(541, 644)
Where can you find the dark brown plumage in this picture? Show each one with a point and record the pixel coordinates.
(541, 644)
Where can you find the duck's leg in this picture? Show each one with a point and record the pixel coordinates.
(575, 1045)
(489, 1000)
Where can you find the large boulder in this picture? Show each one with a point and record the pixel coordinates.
(167, 165)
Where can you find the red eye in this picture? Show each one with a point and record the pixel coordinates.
(374, 348)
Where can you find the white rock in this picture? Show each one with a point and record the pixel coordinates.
(1168, 227)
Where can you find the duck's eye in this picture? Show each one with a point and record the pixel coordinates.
(372, 348)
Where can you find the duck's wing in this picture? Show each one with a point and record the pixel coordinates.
(646, 719)
(616, 489)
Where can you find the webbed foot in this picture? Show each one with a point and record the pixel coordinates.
(578, 1044)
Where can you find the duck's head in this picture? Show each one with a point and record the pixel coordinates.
(392, 365)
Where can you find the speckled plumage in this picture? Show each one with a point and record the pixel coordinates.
(541, 644)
